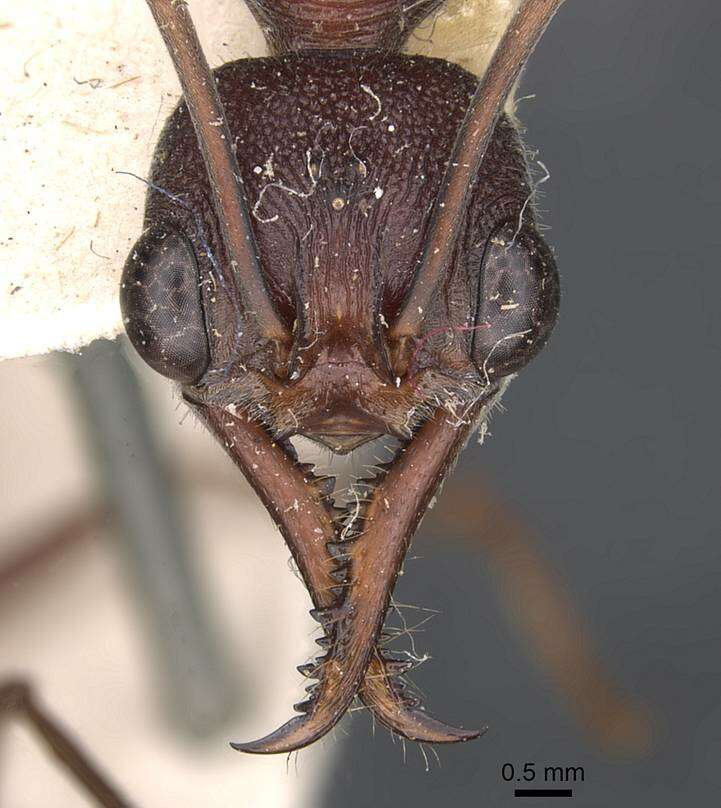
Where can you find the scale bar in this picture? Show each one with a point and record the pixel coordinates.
(543, 792)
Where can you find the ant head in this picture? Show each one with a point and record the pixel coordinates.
(378, 259)
(354, 254)
(340, 221)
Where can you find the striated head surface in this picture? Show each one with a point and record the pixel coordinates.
(341, 156)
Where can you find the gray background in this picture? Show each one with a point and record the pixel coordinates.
(610, 445)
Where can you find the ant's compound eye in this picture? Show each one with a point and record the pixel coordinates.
(161, 305)
(518, 299)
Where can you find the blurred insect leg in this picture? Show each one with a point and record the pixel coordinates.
(17, 699)
(39, 547)
(154, 543)
(544, 613)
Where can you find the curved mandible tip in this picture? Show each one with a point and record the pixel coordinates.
(383, 693)
(416, 725)
(300, 731)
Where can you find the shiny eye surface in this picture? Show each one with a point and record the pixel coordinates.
(518, 300)
(161, 305)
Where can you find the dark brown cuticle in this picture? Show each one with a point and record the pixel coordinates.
(355, 256)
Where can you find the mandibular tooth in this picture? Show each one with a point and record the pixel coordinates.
(325, 486)
(339, 548)
(323, 616)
